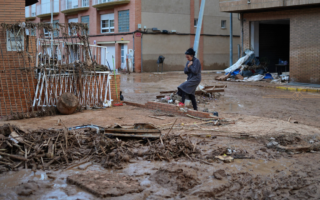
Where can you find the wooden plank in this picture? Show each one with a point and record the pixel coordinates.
(137, 131)
(207, 91)
(165, 92)
(213, 91)
(216, 86)
(133, 135)
(160, 96)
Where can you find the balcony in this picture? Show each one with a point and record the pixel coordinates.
(30, 13)
(102, 4)
(249, 5)
(73, 6)
(44, 9)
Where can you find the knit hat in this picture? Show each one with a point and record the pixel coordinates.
(190, 52)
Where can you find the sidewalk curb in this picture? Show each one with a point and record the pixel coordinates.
(298, 89)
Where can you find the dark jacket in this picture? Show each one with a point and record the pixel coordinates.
(194, 77)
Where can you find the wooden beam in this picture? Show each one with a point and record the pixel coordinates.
(136, 131)
(165, 92)
(133, 135)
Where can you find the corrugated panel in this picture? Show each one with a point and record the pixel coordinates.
(274, 43)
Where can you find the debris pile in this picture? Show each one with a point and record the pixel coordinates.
(67, 148)
(251, 69)
(293, 143)
(204, 94)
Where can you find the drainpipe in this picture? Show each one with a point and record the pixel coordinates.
(231, 41)
(134, 53)
(141, 54)
(241, 35)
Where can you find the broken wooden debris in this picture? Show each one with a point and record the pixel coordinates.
(156, 117)
(141, 130)
(167, 92)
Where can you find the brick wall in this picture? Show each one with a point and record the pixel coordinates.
(304, 40)
(169, 108)
(11, 11)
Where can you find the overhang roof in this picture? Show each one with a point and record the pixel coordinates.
(30, 2)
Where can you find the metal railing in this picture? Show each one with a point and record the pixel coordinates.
(33, 10)
(45, 8)
(27, 11)
(95, 2)
(74, 4)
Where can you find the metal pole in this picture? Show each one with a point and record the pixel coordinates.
(133, 60)
(199, 27)
(141, 54)
(51, 24)
(231, 41)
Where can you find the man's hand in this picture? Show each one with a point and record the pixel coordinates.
(190, 63)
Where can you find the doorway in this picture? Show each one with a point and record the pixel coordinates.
(270, 41)
(124, 52)
(106, 56)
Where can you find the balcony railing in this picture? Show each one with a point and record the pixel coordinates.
(27, 10)
(108, 3)
(30, 12)
(71, 6)
(44, 9)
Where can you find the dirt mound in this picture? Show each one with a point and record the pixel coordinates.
(176, 179)
(105, 184)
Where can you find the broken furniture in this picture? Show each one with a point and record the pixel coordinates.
(282, 66)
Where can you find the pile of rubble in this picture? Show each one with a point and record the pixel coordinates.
(250, 69)
(204, 94)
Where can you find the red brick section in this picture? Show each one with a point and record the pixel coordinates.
(170, 109)
(137, 40)
(304, 40)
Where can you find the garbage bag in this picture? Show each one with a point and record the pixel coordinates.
(260, 71)
(254, 78)
(246, 73)
(268, 76)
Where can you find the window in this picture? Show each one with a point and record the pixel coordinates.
(27, 11)
(195, 22)
(107, 23)
(46, 32)
(122, 54)
(85, 19)
(223, 24)
(33, 10)
(55, 28)
(124, 21)
(74, 20)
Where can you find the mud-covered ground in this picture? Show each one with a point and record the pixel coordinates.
(243, 98)
(259, 170)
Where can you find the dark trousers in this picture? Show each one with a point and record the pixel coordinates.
(192, 98)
